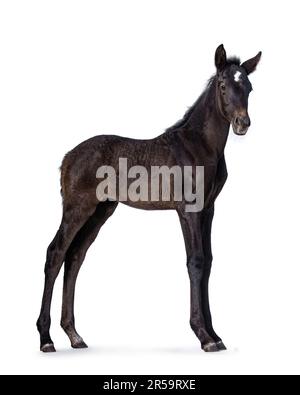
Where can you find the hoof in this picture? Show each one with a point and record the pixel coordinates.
(48, 347)
(210, 347)
(79, 344)
(221, 346)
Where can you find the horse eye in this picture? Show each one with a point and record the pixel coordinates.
(223, 87)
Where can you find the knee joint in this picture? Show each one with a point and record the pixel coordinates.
(208, 260)
(196, 263)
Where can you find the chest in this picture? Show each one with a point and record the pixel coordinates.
(214, 180)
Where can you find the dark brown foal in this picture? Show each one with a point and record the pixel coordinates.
(198, 140)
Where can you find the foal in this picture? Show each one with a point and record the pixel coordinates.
(197, 140)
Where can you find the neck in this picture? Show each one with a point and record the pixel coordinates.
(208, 121)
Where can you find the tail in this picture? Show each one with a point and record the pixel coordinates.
(64, 176)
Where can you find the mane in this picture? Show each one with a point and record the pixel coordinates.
(182, 122)
(188, 114)
(233, 60)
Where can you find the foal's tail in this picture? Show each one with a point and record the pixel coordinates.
(64, 175)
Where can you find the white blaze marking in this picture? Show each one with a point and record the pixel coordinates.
(237, 76)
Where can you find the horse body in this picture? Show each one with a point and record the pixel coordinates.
(181, 146)
(197, 140)
(106, 150)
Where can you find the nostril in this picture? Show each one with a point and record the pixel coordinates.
(247, 122)
(237, 121)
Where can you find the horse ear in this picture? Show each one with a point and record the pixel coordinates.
(220, 57)
(250, 64)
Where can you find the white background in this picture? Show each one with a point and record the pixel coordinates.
(73, 69)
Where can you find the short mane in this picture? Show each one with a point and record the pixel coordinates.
(191, 109)
(234, 60)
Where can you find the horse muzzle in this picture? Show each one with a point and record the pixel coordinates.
(240, 124)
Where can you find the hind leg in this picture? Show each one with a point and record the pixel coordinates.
(74, 258)
(73, 219)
